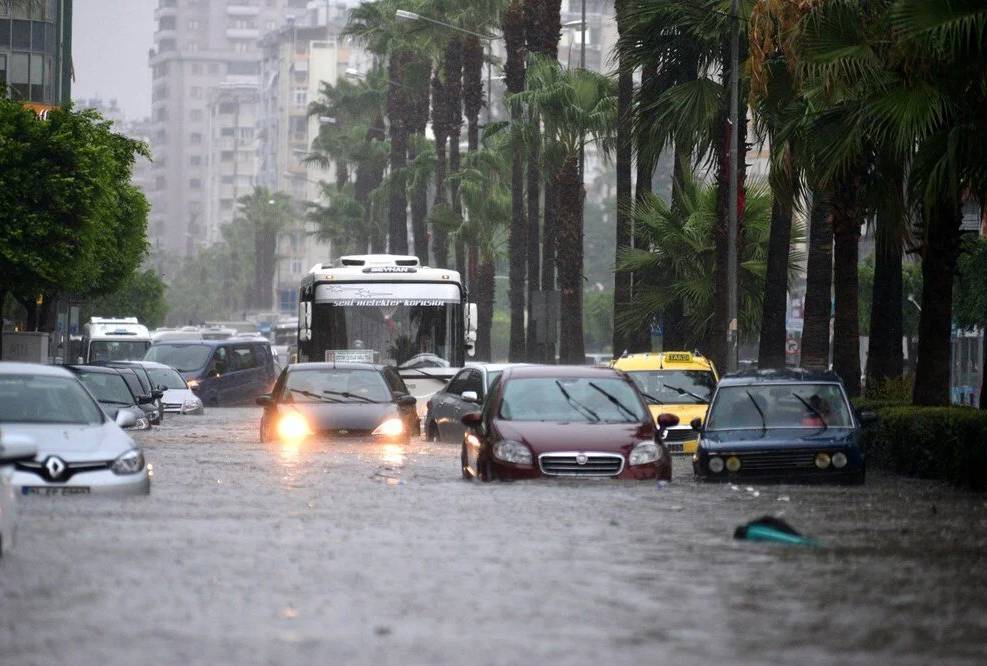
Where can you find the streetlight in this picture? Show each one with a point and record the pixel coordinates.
(413, 16)
(733, 332)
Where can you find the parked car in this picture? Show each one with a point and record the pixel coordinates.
(154, 410)
(785, 425)
(220, 372)
(445, 410)
(564, 421)
(176, 397)
(674, 382)
(339, 400)
(12, 450)
(80, 450)
(113, 392)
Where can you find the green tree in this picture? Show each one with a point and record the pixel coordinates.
(971, 297)
(262, 216)
(141, 295)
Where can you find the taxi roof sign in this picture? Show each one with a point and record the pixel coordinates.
(678, 357)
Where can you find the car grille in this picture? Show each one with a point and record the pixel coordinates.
(568, 464)
(776, 461)
(71, 469)
(172, 406)
(680, 435)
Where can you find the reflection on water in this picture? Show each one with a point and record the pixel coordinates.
(392, 454)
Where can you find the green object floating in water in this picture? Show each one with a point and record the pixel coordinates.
(769, 529)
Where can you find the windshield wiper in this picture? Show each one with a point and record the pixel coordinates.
(347, 394)
(764, 421)
(612, 398)
(578, 406)
(652, 399)
(812, 409)
(314, 396)
(682, 391)
(116, 402)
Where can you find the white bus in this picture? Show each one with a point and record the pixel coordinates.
(114, 339)
(387, 309)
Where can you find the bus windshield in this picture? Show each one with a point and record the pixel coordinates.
(405, 325)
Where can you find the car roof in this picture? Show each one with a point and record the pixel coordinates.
(778, 375)
(345, 365)
(146, 364)
(211, 343)
(553, 371)
(17, 368)
(495, 367)
(672, 360)
(96, 369)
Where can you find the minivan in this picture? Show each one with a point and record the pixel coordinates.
(221, 372)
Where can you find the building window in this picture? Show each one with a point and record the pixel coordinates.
(159, 92)
(196, 68)
(243, 23)
(195, 92)
(195, 138)
(20, 79)
(166, 45)
(227, 180)
(300, 97)
(195, 160)
(228, 107)
(213, 68)
(246, 132)
(296, 266)
(195, 115)
(166, 23)
(227, 131)
(287, 300)
(194, 184)
(226, 156)
(194, 25)
(240, 46)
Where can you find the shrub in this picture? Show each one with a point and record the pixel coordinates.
(898, 389)
(948, 443)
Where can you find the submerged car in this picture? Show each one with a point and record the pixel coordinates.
(445, 410)
(339, 401)
(781, 425)
(674, 382)
(177, 397)
(80, 450)
(12, 451)
(113, 392)
(559, 421)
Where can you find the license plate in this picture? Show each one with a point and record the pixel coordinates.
(675, 447)
(50, 490)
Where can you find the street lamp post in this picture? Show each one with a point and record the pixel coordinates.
(733, 328)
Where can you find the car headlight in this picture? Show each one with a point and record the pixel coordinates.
(839, 460)
(130, 462)
(822, 460)
(715, 464)
(645, 452)
(733, 464)
(512, 452)
(293, 427)
(392, 427)
(193, 383)
(191, 404)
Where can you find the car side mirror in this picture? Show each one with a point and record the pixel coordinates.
(470, 396)
(868, 417)
(126, 419)
(145, 399)
(15, 452)
(472, 420)
(407, 401)
(214, 372)
(697, 424)
(667, 420)
(157, 394)
(264, 400)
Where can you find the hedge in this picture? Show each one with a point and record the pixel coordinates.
(948, 443)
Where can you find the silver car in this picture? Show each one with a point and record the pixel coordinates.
(178, 398)
(463, 394)
(80, 450)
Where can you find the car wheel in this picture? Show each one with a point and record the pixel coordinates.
(432, 431)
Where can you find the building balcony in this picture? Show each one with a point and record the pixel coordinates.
(166, 10)
(242, 9)
(242, 33)
(167, 33)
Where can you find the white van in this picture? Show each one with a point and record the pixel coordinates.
(119, 339)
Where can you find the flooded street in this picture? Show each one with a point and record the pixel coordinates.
(254, 553)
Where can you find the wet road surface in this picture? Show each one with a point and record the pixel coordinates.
(252, 553)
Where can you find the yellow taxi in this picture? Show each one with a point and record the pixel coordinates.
(680, 383)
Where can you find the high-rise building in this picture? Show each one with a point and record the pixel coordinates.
(200, 46)
(35, 51)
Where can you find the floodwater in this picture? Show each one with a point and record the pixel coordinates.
(249, 553)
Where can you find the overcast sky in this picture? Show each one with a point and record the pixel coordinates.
(110, 41)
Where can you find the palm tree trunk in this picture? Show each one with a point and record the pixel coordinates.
(939, 254)
(484, 308)
(472, 103)
(718, 327)
(533, 241)
(774, 310)
(419, 217)
(818, 286)
(397, 111)
(846, 287)
(454, 120)
(570, 235)
(624, 158)
(885, 357)
(440, 237)
(513, 30)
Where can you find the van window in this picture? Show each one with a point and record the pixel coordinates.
(243, 358)
(220, 360)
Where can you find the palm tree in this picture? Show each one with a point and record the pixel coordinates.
(580, 106)
(624, 160)
(512, 22)
(263, 215)
(681, 255)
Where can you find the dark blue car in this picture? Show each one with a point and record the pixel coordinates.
(780, 425)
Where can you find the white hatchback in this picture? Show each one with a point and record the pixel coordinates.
(80, 451)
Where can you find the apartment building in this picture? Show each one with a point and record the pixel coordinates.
(36, 51)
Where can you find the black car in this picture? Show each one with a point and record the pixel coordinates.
(113, 392)
(155, 409)
(339, 400)
(781, 425)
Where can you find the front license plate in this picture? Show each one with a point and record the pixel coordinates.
(674, 447)
(49, 491)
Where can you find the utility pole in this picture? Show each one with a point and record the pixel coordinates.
(733, 332)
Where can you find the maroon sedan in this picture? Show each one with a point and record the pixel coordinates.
(564, 421)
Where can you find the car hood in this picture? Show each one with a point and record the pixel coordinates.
(177, 396)
(550, 436)
(781, 438)
(74, 443)
(342, 416)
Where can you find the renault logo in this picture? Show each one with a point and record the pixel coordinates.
(55, 467)
(581, 459)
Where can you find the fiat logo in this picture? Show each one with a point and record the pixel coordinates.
(582, 459)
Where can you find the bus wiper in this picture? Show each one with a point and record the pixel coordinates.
(314, 396)
(612, 398)
(764, 421)
(682, 391)
(347, 394)
(813, 410)
(578, 406)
